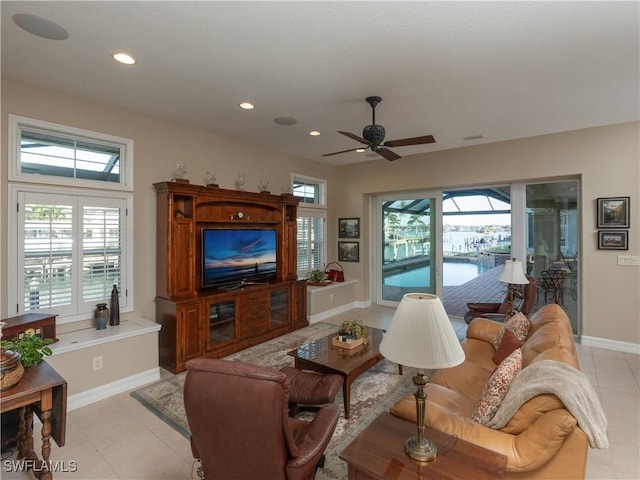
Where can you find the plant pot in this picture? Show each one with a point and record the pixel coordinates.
(11, 369)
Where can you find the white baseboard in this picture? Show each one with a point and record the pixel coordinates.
(319, 317)
(610, 344)
(105, 391)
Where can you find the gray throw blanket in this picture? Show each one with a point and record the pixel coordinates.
(569, 384)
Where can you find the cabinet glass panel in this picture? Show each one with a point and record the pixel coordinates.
(222, 322)
(279, 308)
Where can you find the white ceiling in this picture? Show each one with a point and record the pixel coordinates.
(503, 70)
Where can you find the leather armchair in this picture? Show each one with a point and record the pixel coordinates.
(240, 427)
(496, 311)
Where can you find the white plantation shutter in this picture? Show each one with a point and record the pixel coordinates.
(48, 243)
(71, 252)
(101, 252)
(311, 242)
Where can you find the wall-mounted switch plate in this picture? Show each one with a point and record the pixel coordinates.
(629, 260)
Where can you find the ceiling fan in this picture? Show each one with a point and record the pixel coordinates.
(373, 137)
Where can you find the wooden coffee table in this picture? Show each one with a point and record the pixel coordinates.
(378, 454)
(322, 356)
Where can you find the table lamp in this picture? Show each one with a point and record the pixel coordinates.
(421, 336)
(512, 275)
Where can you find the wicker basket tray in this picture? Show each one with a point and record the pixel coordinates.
(350, 344)
(319, 284)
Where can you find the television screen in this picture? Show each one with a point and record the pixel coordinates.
(230, 256)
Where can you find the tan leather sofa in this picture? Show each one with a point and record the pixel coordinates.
(542, 440)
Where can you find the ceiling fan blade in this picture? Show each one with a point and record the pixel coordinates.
(403, 142)
(354, 137)
(341, 151)
(388, 154)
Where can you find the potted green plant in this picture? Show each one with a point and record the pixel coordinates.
(31, 348)
(351, 330)
(317, 277)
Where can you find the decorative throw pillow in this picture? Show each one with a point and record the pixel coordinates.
(497, 387)
(518, 324)
(509, 343)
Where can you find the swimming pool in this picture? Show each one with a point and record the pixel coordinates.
(454, 274)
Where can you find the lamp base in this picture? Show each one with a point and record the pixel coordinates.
(424, 451)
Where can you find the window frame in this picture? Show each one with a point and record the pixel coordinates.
(83, 190)
(316, 210)
(18, 123)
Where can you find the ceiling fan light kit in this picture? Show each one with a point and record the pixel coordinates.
(373, 137)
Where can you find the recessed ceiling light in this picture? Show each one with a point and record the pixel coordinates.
(124, 58)
(314, 133)
(360, 150)
(40, 26)
(285, 121)
(247, 106)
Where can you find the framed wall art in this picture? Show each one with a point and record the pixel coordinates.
(349, 228)
(348, 251)
(613, 212)
(613, 240)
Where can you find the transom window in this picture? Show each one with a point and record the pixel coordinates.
(74, 157)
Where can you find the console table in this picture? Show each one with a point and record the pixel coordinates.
(43, 391)
(378, 454)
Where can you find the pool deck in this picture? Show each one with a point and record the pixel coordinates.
(483, 288)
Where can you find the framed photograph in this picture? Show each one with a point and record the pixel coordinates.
(613, 240)
(613, 212)
(348, 251)
(349, 228)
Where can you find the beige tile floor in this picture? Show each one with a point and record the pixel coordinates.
(117, 438)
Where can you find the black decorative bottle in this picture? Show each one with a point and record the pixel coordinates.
(114, 313)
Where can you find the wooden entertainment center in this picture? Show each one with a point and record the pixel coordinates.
(216, 321)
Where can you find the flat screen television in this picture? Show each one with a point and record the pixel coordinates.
(235, 256)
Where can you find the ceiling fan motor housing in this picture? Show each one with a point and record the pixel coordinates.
(373, 134)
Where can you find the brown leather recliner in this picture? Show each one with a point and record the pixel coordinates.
(529, 294)
(240, 427)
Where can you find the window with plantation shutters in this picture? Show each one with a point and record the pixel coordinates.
(72, 251)
(72, 240)
(311, 233)
(311, 243)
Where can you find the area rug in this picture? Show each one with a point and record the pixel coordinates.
(374, 392)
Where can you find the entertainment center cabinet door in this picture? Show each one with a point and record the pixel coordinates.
(189, 320)
(279, 307)
(254, 316)
(299, 303)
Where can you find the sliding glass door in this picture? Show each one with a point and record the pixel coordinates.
(478, 229)
(553, 242)
(406, 253)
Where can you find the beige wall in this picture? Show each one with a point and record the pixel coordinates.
(607, 160)
(120, 360)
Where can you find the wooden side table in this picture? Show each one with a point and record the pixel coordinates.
(43, 324)
(43, 391)
(378, 454)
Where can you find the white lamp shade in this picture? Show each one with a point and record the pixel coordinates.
(421, 335)
(513, 273)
